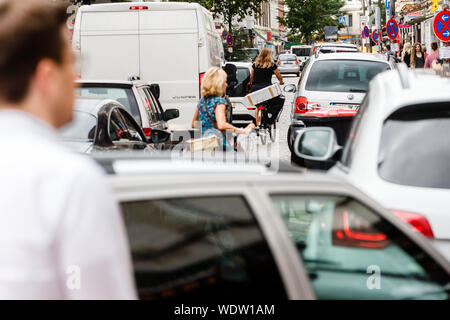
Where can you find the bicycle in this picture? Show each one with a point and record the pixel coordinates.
(266, 127)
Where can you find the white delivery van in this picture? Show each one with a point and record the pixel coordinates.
(302, 52)
(169, 43)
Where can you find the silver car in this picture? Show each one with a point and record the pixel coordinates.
(330, 90)
(203, 230)
(288, 63)
(398, 150)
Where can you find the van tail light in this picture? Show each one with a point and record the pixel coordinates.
(147, 131)
(302, 105)
(200, 81)
(138, 8)
(351, 230)
(418, 222)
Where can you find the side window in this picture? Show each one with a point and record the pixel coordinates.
(303, 73)
(353, 134)
(148, 103)
(352, 253)
(200, 248)
(133, 133)
(156, 106)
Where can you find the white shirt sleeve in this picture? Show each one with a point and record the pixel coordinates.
(92, 252)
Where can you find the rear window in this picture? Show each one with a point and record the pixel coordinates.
(414, 146)
(343, 75)
(124, 96)
(301, 52)
(288, 58)
(81, 128)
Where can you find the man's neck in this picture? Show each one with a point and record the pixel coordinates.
(27, 108)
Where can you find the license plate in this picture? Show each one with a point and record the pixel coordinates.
(340, 106)
(288, 63)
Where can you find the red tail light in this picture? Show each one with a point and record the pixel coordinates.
(147, 131)
(279, 62)
(350, 230)
(418, 222)
(296, 62)
(138, 8)
(301, 105)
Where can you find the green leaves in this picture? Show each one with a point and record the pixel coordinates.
(308, 17)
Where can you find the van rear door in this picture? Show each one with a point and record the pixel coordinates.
(109, 44)
(169, 54)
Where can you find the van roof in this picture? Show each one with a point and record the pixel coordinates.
(154, 6)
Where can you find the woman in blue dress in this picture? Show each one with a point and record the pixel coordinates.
(212, 106)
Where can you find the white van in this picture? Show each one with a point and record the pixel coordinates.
(169, 43)
(302, 52)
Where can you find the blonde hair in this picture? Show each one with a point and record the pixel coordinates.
(413, 54)
(407, 48)
(212, 83)
(264, 59)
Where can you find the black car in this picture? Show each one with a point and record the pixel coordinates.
(105, 125)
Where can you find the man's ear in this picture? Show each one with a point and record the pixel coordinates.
(43, 77)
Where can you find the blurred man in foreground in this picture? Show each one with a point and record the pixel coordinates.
(61, 235)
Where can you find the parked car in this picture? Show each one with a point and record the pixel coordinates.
(333, 47)
(105, 125)
(139, 98)
(116, 40)
(302, 52)
(288, 63)
(330, 91)
(398, 150)
(207, 231)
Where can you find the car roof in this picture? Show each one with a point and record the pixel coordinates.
(336, 44)
(119, 83)
(351, 56)
(240, 63)
(92, 105)
(403, 87)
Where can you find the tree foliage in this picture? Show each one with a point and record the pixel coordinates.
(308, 17)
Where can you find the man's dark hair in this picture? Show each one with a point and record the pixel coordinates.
(388, 46)
(30, 30)
(434, 46)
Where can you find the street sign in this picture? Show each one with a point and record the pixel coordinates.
(441, 25)
(444, 52)
(375, 36)
(366, 32)
(224, 35)
(342, 19)
(388, 9)
(230, 40)
(392, 29)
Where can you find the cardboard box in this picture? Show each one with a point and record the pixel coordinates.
(208, 143)
(262, 95)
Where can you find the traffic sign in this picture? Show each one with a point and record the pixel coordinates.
(392, 29)
(224, 35)
(366, 32)
(342, 19)
(441, 25)
(230, 40)
(375, 36)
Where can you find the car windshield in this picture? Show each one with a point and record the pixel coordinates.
(301, 52)
(122, 95)
(414, 146)
(82, 127)
(343, 75)
(288, 58)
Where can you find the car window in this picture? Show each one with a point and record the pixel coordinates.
(414, 146)
(288, 58)
(200, 248)
(132, 129)
(82, 127)
(149, 105)
(124, 96)
(242, 74)
(155, 103)
(343, 75)
(119, 129)
(301, 52)
(351, 253)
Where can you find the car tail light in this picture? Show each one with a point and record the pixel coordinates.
(418, 222)
(147, 131)
(351, 230)
(279, 62)
(138, 8)
(302, 105)
(296, 62)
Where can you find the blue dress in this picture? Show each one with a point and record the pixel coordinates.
(207, 116)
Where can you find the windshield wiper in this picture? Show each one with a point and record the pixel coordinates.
(357, 90)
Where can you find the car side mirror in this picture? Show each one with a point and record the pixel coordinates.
(317, 144)
(154, 88)
(290, 88)
(170, 114)
(158, 136)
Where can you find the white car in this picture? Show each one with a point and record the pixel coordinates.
(302, 52)
(334, 47)
(208, 230)
(169, 43)
(398, 151)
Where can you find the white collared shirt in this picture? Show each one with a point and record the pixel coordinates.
(61, 233)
